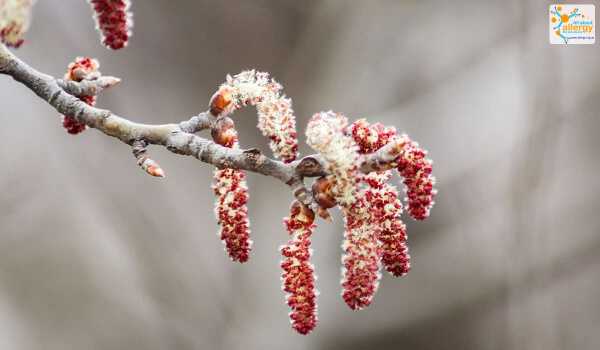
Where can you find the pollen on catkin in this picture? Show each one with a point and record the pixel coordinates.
(232, 195)
(412, 163)
(15, 17)
(361, 257)
(298, 273)
(113, 22)
(355, 164)
(325, 133)
(276, 118)
(232, 213)
(385, 208)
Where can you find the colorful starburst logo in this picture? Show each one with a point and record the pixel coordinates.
(572, 24)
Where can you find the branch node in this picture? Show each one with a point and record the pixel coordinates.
(254, 156)
(309, 166)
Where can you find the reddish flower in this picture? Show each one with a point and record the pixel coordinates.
(232, 212)
(412, 162)
(361, 255)
(382, 198)
(416, 168)
(232, 197)
(322, 192)
(385, 209)
(394, 250)
(113, 21)
(78, 70)
(298, 273)
(370, 138)
(276, 118)
(223, 132)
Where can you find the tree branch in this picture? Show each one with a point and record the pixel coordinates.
(178, 138)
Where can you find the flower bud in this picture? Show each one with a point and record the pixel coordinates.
(322, 192)
(78, 70)
(302, 213)
(219, 101)
(224, 133)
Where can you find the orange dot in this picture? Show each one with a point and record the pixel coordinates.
(564, 18)
(553, 19)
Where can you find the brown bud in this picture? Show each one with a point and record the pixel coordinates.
(324, 214)
(302, 213)
(223, 132)
(321, 189)
(150, 166)
(155, 170)
(309, 166)
(219, 101)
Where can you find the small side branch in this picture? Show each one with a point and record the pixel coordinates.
(197, 123)
(88, 87)
(144, 161)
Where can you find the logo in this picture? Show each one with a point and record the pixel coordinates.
(572, 24)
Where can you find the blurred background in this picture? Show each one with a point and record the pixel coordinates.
(94, 254)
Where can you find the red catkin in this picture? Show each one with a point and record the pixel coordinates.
(361, 263)
(276, 118)
(369, 138)
(416, 168)
(298, 273)
(385, 209)
(232, 213)
(113, 21)
(78, 70)
(413, 164)
(232, 197)
(382, 198)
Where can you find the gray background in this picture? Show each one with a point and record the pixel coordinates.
(94, 254)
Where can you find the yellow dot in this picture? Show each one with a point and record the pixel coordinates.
(559, 8)
(557, 32)
(553, 19)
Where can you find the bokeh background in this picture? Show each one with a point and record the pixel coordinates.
(94, 254)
